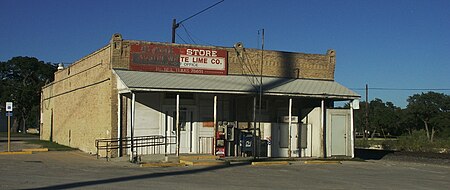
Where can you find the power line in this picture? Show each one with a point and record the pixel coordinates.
(403, 89)
(175, 25)
(197, 38)
(188, 34)
(182, 39)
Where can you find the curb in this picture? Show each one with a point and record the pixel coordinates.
(270, 163)
(199, 157)
(162, 164)
(35, 150)
(14, 153)
(205, 163)
(322, 162)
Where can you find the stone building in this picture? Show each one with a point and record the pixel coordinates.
(136, 93)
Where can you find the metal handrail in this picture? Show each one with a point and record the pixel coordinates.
(138, 142)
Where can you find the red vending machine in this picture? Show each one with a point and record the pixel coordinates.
(220, 140)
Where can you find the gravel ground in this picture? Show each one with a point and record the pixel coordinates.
(418, 157)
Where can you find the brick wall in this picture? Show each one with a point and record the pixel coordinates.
(243, 61)
(79, 101)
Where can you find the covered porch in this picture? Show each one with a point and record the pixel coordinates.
(227, 115)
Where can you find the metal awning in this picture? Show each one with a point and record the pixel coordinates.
(230, 84)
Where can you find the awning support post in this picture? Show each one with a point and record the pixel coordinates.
(352, 131)
(132, 122)
(254, 127)
(215, 126)
(177, 124)
(322, 123)
(289, 129)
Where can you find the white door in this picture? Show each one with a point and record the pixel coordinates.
(338, 135)
(186, 128)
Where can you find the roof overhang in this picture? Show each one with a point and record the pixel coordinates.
(135, 81)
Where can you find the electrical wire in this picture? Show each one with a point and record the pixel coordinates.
(197, 38)
(182, 39)
(243, 65)
(403, 89)
(188, 34)
(252, 70)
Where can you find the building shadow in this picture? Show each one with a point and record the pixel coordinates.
(137, 177)
(371, 154)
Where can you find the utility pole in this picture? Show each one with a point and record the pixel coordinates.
(260, 86)
(367, 113)
(175, 25)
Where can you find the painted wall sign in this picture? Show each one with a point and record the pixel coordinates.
(166, 58)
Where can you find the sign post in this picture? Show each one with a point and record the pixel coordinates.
(9, 109)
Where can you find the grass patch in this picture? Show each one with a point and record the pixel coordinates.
(50, 145)
(416, 142)
(5, 134)
(373, 142)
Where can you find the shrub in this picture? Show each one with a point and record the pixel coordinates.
(417, 142)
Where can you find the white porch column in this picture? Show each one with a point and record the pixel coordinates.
(290, 125)
(254, 128)
(177, 124)
(215, 125)
(352, 131)
(132, 123)
(323, 128)
(119, 116)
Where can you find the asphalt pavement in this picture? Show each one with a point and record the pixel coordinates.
(78, 170)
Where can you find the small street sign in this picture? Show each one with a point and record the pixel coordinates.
(9, 114)
(9, 106)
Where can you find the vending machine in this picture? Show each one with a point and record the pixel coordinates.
(226, 144)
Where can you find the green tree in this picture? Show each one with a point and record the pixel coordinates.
(22, 80)
(432, 109)
(383, 117)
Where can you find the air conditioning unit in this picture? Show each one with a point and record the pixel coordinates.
(285, 119)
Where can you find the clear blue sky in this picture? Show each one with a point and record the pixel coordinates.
(383, 43)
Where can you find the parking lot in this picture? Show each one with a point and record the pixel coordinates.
(77, 170)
